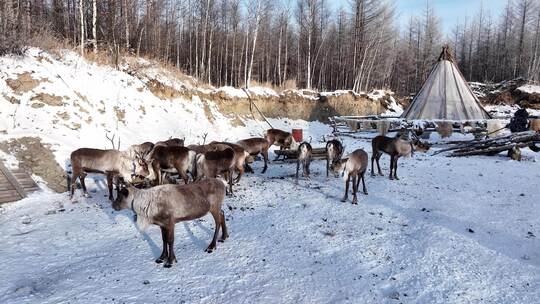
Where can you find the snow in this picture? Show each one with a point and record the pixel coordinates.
(530, 89)
(408, 239)
(452, 230)
(233, 92)
(262, 91)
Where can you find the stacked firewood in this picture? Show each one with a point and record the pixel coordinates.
(492, 146)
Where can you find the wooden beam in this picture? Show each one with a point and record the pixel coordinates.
(12, 180)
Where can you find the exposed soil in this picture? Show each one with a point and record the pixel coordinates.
(308, 106)
(37, 158)
(24, 83)
(51, 100)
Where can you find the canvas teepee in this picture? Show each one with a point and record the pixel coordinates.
(445, 95)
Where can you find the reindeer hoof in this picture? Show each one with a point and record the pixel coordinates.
(209, 250)
(167, 265)
(221, 240)
(354, 203)
(159, 261)
(381, 174)
(343, 200)
(396, 178)
(365, 192)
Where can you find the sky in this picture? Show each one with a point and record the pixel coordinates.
(450, 12)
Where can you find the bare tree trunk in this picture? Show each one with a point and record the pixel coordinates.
(94, 25)
(257, 19)
(81, 14)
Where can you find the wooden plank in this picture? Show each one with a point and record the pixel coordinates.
(12, 180)
(10, 193)
(10, 199)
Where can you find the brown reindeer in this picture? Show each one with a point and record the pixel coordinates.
(304, 157)
(255, 146)
(280, 138)
(172, 159)
(112, 163)
(212, 164)
(355, 166)
(173, 142)
(167, 205)
(396, 148)
(140, 150)
(240, 155)
(334, 151)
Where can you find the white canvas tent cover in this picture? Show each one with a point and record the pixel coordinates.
(445, 95)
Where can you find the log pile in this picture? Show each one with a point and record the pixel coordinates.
(492, 146)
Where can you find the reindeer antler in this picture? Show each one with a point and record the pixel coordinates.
(111, 139)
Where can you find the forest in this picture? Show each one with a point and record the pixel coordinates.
(290, 44)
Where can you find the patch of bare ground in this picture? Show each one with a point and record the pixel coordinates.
(48, 99)
(37, 158)
(24, 83)
(120, 114)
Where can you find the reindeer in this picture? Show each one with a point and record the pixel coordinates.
(240, 155)
(334, 151)
(304, 157)
(170, 159)
(172, 142)
(167, 205)
(214, 163)
(112, 163)
(140, 150)
(396, 148)
(355, 166)
(255, 146)
(282, 139)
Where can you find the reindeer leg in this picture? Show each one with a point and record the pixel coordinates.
(395, 167)
(73, 183)
(327, 166)
(265, 157)
(391, 167)
(82, 176)
(240, 173)
(164, 253)
(364, 183)
(307, 163)
(224, 232)
(378, 164)
(171, 258)
(344, 199)
(355, 188)
(217, 221)
(297, 169)
(373, 156)
(230, 173)
(110, 186)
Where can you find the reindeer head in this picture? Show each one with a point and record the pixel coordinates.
(123, 198)
(337, 166)
(420, 146)
(140, 167)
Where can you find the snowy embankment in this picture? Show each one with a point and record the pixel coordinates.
(452, 230)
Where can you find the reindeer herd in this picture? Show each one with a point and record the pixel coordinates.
(211, 167)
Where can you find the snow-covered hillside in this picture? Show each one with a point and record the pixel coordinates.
(452, 230)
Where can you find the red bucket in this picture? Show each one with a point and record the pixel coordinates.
(298, 135)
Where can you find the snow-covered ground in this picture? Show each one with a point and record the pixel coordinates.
(452, 230)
